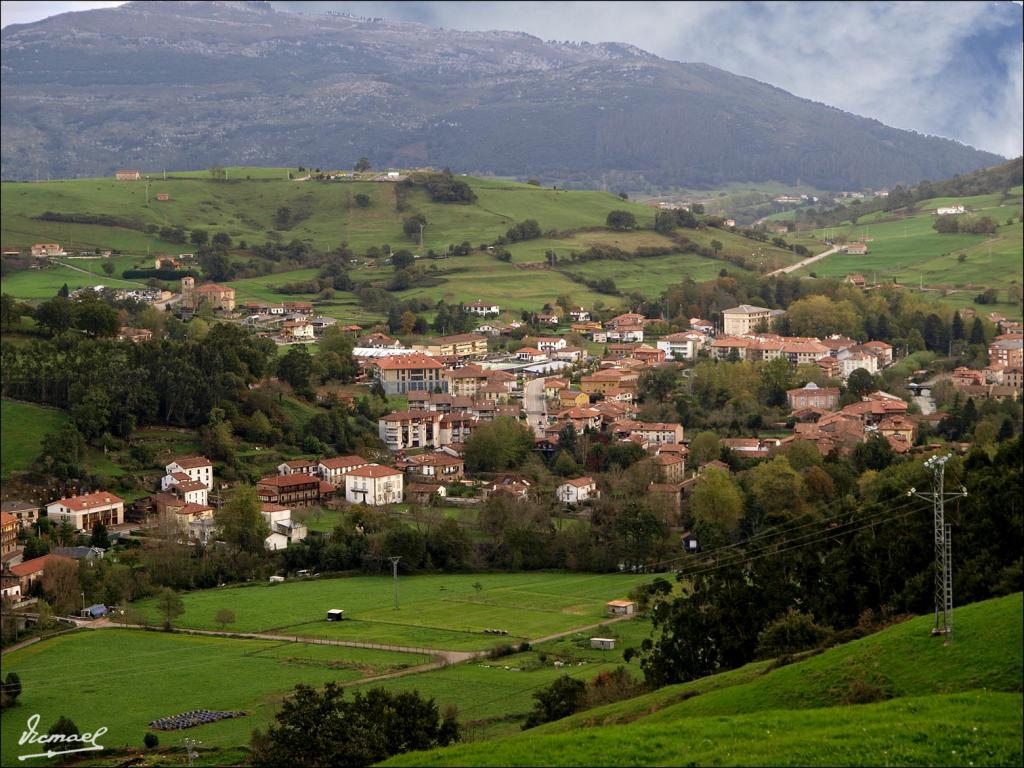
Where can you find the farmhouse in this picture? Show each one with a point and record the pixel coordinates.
(31, 571)
(162, 197)
(424, 493)
(127, 175)
(576, 491)
(283, 530)
(294, 490)
(84, 512)
(374, 485)
(297, 467)
(439, 466)
(188, 515)
(856, 249)
(41, 250)
(197, 468)
(298, 329)
(482, 308)
(949, 210)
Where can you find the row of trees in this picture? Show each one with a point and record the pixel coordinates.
(808, 574)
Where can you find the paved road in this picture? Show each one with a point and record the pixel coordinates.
(535, 405)
(805, 262)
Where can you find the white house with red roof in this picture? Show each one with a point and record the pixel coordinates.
(196, 467)
(85, 511)
(375, 485)
(577, 491)
(334, 470)
(482, 308)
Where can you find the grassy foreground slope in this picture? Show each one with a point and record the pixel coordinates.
(950, 705)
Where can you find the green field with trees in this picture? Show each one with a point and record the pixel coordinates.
(123, 679)
(436, 611)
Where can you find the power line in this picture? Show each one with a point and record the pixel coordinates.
(784, 528)
(828, 535)
(872, 519)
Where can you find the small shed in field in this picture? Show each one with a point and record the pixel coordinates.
(335, 614)
(621, 607)
(602, 643)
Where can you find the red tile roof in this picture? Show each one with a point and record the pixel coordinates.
(374, 470)
(36, 564)
(341, 462)
(89, 500)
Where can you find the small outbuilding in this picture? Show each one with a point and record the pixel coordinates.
(276, 579)
(621, 607)
(602, 643)
(97, 611)
(335, 614)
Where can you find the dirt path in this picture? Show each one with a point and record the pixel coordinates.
(805, 262)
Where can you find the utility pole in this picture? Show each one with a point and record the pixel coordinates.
(421, 235)
(394, 579)
(942, 539)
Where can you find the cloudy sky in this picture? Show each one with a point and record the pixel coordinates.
(952, 69)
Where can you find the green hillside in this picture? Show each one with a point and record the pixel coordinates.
(322, 213)
(906, 249)
(919, 703)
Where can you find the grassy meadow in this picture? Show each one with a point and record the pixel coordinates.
(23, 427)
(323, 213)
(908, 250)
(123, 679)
(920, 703)
(436, 611)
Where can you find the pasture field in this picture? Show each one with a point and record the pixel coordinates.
(123, 679)
(22, 429)
(652, 276)
(493, 696)
(79, 273)
(910, 251)
(436, 611)
(481, 276)
(955, 705)
(322, 213)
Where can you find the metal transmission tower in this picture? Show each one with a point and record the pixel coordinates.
(943, 551)
(394, 571)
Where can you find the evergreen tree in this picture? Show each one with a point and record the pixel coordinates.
(977, 332)
(958, 326)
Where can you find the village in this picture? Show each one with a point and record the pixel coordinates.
(454, 384)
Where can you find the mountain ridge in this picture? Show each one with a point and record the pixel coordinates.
(194, 84)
